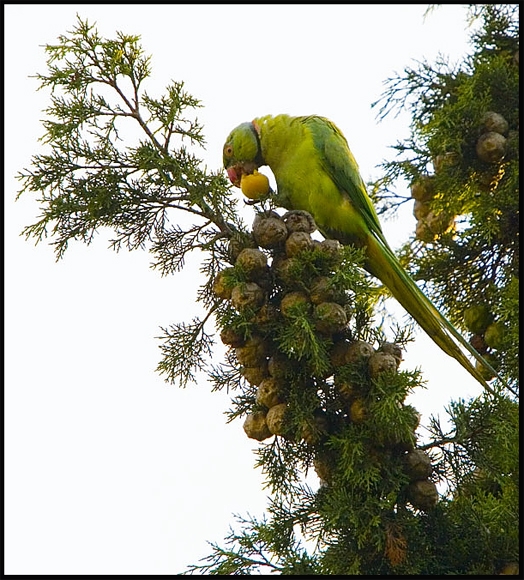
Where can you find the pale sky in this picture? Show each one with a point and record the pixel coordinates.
(108, 469)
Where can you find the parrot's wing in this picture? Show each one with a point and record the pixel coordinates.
(339, 163)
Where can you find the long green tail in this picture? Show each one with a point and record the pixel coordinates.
(383, 264)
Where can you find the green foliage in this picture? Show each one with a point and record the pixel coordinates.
(120, 160)
(192, 340)
(478, 260)
(479, 459)
(91, 179)
(262, 548)
(314, 377)
(474, 528)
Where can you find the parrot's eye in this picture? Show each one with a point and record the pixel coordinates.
(228, 150)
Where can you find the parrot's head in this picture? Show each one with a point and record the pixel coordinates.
(242, 153)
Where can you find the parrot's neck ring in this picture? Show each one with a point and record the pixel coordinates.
(256, 130)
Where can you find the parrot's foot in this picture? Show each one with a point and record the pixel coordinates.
(261, 199)
(305, 219)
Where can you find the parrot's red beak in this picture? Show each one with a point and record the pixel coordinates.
(235, 175)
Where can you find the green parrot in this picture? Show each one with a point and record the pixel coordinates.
(316, 172)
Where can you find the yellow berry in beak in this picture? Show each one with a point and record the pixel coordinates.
(254, 185)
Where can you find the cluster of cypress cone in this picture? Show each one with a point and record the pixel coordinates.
(496, 141)
(286, 280)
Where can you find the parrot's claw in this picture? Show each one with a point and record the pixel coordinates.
(270, 194)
